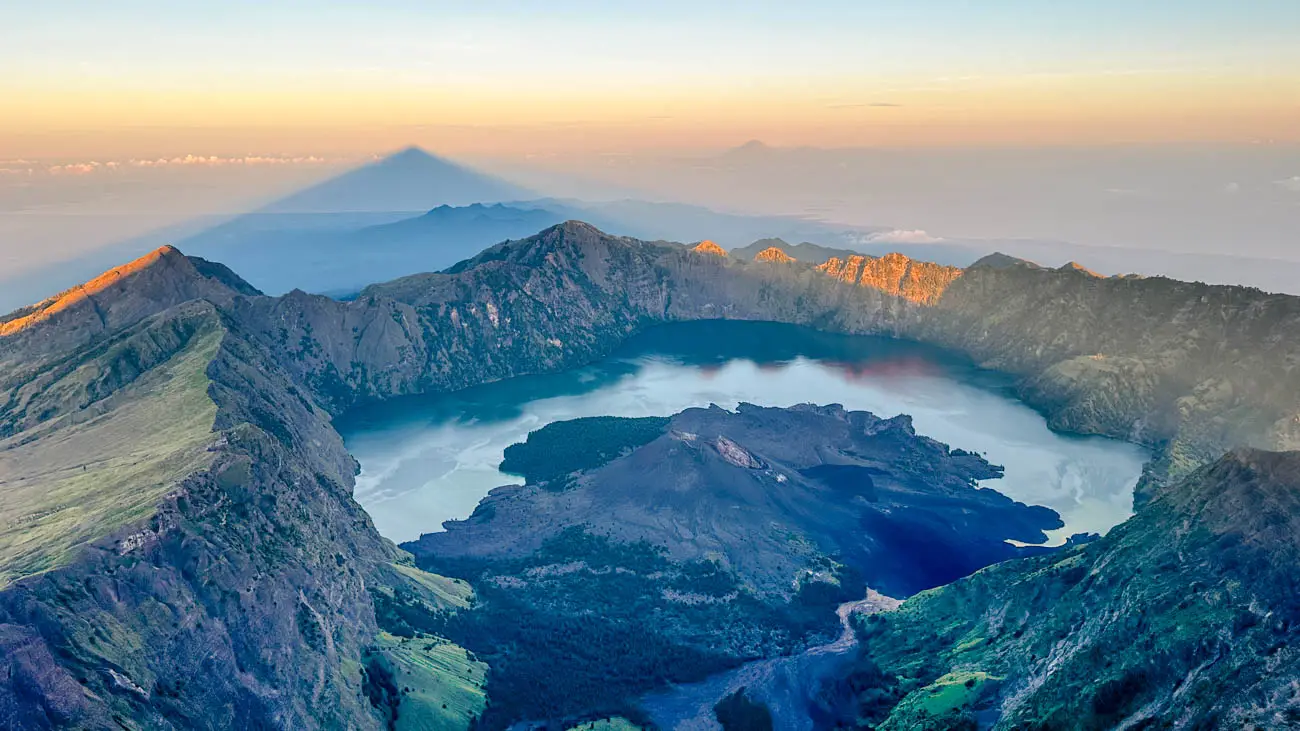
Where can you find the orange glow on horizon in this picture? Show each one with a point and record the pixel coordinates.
(1046, 109)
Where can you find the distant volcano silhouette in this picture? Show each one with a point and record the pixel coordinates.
(409, 180)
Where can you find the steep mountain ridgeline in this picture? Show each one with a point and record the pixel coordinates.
(116, 299)
(1188, 369)
(180, 546)
(188, 503)
(1187, 616)
(554, 300)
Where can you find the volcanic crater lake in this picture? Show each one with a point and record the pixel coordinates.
(428, 459)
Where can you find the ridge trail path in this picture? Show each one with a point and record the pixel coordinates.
(786, 685)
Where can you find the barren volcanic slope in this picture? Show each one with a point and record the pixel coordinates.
(211, 531)
(771, 494)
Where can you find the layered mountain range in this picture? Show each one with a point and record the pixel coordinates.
(178, 506)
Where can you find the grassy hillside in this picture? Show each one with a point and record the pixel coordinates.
(98, 466)
(440, 683)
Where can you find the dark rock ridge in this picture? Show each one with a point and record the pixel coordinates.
(1185, 617)
(898, 509)
(231, 551)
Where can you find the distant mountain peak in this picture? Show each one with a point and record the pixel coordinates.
(750, 150)
(998, 260)
(1074, 266)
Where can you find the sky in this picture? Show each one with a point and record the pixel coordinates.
(83, 78)
(1166, 124)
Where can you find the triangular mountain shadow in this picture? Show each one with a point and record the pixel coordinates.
(409, 180)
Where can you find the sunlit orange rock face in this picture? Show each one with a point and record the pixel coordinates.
(81, 293)
(708, 247)
(772, 253)
(916, 281)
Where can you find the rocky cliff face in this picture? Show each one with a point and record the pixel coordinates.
(1190, 369)
(708, 247)
(1186, 616)
(773, 254)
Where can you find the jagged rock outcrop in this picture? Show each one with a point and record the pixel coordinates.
(1187, 616)
(773, 254)
(708, 247)
(894, 274)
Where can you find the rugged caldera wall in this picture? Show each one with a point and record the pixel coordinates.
(1185, 617)
(180, 544)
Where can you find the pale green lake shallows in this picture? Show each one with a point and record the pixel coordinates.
(428, 459)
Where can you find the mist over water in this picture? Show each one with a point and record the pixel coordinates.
(425, 460)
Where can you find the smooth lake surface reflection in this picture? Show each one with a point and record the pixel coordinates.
(428, 459)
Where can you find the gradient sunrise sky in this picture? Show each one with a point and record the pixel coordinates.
(150, 77)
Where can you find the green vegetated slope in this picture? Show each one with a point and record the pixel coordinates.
(436, 684)
(133, 419)
(1186, 616)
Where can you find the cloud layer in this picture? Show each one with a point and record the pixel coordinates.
(902, 236)
(88, 167)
